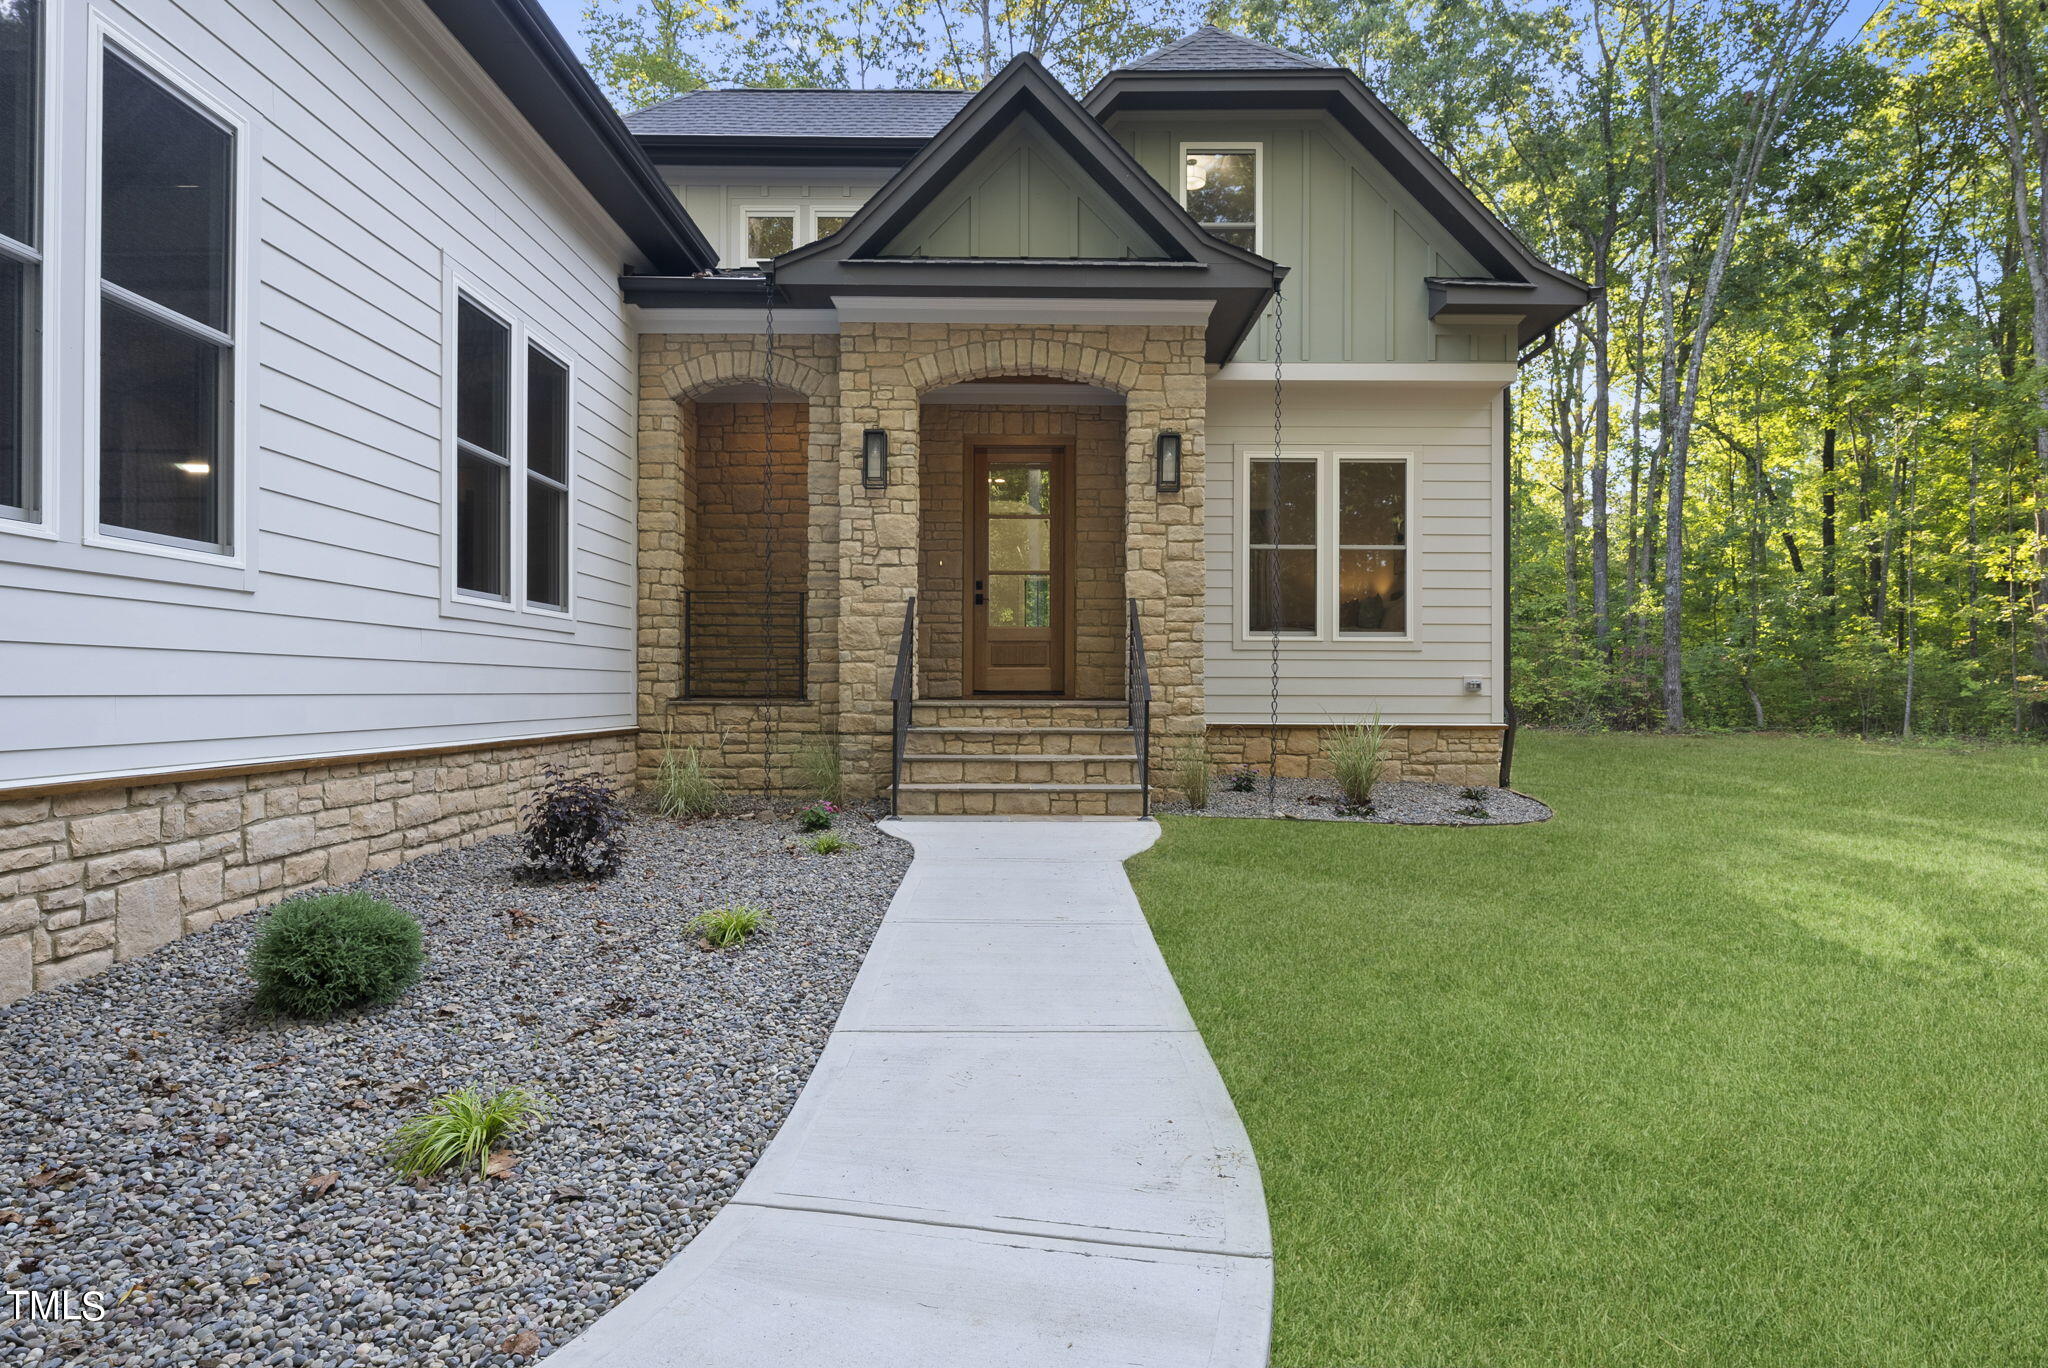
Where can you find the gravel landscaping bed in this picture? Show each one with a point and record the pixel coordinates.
(1402, 802)
(157, 1141)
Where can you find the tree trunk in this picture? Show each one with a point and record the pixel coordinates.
(2017, 77)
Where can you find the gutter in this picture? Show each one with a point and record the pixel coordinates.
(523, 54)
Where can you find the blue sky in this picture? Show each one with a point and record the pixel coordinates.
(568, 17)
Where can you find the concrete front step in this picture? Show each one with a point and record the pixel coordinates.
(948, 740)
(1021, 769)
(1021, 800)
(1020, 712)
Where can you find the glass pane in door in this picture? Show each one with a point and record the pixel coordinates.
(1020, 601)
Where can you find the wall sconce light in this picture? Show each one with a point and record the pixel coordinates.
(1166, 463)
(874, 458)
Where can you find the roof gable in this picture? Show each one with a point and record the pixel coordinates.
(1544, 293)
(1093, 163)
(1024, 196)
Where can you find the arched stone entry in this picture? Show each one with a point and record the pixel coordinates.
(716, 474)
(1086, 426)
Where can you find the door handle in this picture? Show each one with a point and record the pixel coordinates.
(979, 597)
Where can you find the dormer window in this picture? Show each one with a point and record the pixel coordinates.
(1221, 188)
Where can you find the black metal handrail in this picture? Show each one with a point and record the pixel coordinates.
(901, 697)
(744, 643)
(1138, 694)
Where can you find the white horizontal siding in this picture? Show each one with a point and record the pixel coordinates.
(383, 161)
(1453, 434)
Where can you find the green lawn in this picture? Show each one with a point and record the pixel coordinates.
(1739, 1060)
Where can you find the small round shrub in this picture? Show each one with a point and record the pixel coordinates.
(318, 955)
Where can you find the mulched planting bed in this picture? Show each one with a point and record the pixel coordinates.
(157, 1141)
(1400, 802)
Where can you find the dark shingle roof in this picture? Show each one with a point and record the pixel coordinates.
(800, 114)
(1209, 48)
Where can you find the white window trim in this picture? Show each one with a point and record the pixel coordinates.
(241, 370)
(513, 608)
(1258, 151)
(788, 209)
(1326, 638)
(812, 212)
(44, 493)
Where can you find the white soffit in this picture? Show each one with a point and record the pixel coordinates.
(742, 321)
(1370, 372)
(1043, 309)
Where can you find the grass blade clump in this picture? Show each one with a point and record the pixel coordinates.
(682, 788)
(725, 927)
(1358, 755)
(1192, 771)
(818, 766)
(462, 1128)
(323, 954)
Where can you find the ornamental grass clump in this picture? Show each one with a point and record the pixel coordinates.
(818, 765)
(726, 927)
(1192, 772)
(574, 828)
(463, 1128)
(319, 955)
(1358, 754)
(830, 843)
(682, 788)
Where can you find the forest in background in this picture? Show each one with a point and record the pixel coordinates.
(1791, 470)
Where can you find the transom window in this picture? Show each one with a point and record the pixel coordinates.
(514, 457)
(21, 144)
(166, 207)
(1220, 187)
(1326, 546)
(767, 231)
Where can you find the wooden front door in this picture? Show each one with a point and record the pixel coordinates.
(1019, 606)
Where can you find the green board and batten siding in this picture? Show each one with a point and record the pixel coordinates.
(1360, 246)
(1023, 196)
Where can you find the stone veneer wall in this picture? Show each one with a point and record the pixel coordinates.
(675, 431)
(864, 557)
(1096, 431)
(728, 499)
(102, 874)
(885, 368)
(1441, 755)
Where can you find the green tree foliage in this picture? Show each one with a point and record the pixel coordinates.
(1845, 374)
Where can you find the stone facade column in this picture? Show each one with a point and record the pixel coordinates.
(878, 549)
(1165, 557)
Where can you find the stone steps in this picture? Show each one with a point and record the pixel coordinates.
(1021, 800)
(1021, 741)
(1020, 758)
(1020, 712)
(1021, 769)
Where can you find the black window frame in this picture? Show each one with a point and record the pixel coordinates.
(515, 468)
(224, 471)
(27, 255)
(560, 486)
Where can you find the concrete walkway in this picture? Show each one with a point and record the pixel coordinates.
(1014, 1150)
